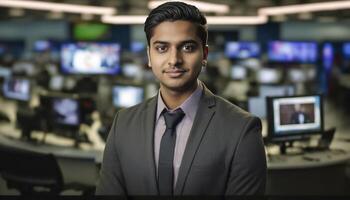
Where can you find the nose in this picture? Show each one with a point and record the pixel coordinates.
(175, 58)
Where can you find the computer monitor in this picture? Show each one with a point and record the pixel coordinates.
(90, 58)
(294, 117)
(268, 75)
(238, 72)
(132, 70)
(257, 105)
(17, 88)
(127, 95)
(65, 111)
(137, 47)
(346, 50)
(41, 45)
(297, 75)
(241, 50)
(5, 72)
(298, 52)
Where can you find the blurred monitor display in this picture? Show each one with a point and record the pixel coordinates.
(137, 47)
(346, 50)
(239, 72)
(257, 105)
(91, 31)
(12, 47)
(127, 95)
(56, 82)
(132, 70)
(300, 52)
(17, 89)
(66, 111)
(294, 117)
(268, 75)
(5, 72)
(241, 50)
(297, 75)
(90, 58)
(327, 56)
(42, 45)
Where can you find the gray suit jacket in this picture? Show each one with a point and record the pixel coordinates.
(224, 153)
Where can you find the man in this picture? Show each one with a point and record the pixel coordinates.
(215, 149)
(299, 116)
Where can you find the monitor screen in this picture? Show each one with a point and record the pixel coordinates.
(137, 47)
(90, 58)
(300, 52)
(239, 72)
(127, 95)
(5, 72)
(42, 45)
(17, 89)
(268, 75)
(297, 75)
(291, 118)
(257, 105)
(241, 50)
(132, 70)
(91, 31)
(65, 111)
(346, 50)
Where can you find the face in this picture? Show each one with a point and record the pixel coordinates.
(176, 55)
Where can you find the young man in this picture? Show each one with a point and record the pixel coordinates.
(185, 140)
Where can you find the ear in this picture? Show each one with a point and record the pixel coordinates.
(149, 57)
(205, 53)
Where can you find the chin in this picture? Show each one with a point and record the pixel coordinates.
(179, 87)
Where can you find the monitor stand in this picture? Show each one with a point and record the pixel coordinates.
(287, 148)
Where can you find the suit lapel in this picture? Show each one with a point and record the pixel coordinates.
(147, 123)
(204, 114)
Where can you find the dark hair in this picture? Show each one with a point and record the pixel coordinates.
(172, 11)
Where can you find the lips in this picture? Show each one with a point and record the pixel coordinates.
(174, 73)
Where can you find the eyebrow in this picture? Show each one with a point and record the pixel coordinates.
(181, 43)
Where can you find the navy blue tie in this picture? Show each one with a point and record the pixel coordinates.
(166, 152)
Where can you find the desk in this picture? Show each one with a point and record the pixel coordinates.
(70, 159)
(314, 173)
(322, 173)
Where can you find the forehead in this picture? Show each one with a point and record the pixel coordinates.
(175, 31)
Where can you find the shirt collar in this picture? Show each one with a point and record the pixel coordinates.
(189, 106)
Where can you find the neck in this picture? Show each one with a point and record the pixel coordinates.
(173, 99)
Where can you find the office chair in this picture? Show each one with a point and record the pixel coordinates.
(32, 172)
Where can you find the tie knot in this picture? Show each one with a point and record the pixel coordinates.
(173, 118)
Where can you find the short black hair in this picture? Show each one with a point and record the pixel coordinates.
(175, 10)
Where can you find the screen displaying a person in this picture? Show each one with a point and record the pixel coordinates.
(185, 140)
(299, 116)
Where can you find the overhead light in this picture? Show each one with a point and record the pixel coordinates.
(212, 20)
(236, 20)
(302, 8)
(58, 7)
(124, 19)
(202, 6)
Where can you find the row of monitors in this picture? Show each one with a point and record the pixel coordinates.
(123, 95)
(273, 75)
(281, 51)
(289, 117)
(104, 58)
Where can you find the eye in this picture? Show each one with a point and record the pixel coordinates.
(189, 47)
(161, 48)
